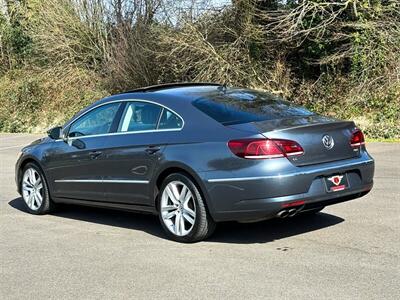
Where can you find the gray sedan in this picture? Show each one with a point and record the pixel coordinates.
(197, 154)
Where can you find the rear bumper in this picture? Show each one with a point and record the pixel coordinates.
(262, 209)
(250, 198)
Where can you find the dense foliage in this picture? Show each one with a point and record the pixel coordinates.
(340, 58)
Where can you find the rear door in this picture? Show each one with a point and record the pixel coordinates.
(136, 149)
(76, 164)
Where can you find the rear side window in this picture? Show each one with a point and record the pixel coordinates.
(243, 106)
(140, 116)
(169, 120)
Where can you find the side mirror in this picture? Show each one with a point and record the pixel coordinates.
(54, 133)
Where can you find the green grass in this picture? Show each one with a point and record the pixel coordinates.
(369, 140)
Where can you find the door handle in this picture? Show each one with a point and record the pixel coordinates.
(94, 154)
(152, 149)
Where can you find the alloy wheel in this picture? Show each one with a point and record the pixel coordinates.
(32, 189)
(178, 209)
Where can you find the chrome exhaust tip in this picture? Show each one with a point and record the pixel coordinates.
(292, 212)
(283, 213)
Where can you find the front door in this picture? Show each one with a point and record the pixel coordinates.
(75, 168)
(76, 165)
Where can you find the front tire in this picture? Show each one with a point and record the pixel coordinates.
(182, 210)
(34, 190)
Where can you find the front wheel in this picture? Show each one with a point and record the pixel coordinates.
(182, 210)
(34, 190)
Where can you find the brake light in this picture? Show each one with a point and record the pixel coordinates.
(357, 138)
(264, 148)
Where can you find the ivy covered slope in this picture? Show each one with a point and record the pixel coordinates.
(340, 58)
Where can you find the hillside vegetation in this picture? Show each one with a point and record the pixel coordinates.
(340, 58)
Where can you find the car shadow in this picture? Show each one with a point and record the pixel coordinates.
(227, 232)
(116, 218)
(271, 230)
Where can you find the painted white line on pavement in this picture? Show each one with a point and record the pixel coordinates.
(11, 147)
(12, 137)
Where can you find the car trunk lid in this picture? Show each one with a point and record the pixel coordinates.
(323, 139)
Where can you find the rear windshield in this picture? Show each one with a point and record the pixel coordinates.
(244, 106)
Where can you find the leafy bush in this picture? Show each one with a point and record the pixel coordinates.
(33, 101)
(340, 58)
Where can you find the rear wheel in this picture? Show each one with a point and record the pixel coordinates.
(182, 210)
(34, 190)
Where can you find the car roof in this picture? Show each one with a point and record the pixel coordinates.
(173, 94)
(176, 87)
(181, 91)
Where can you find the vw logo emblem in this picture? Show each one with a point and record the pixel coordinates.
(328, 141)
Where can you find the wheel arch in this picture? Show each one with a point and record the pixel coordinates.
(22, 164)
(183, 169)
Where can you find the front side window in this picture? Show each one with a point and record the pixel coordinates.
(97, 121)
(140, 116)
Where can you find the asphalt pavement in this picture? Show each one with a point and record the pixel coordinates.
(348, 251)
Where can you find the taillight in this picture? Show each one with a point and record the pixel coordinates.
(357, 138)
(264, 148)
(289, 148)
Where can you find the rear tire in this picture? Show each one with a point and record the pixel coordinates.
(34, 190)
(182, 211)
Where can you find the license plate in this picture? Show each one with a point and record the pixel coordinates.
(336, 183)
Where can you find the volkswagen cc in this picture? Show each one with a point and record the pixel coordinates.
(195, 155)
